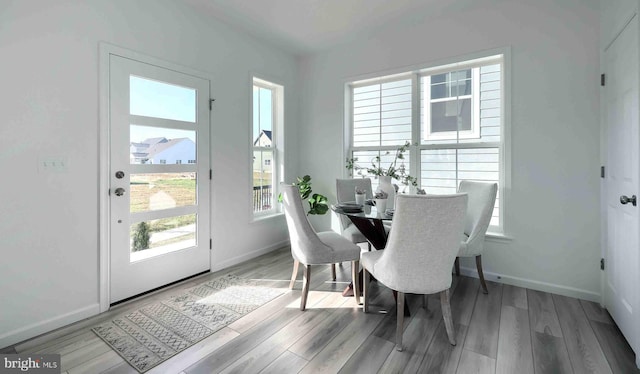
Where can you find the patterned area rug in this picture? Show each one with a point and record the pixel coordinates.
(154, 333)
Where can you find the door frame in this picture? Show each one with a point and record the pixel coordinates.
(605, 162)
(105, 50)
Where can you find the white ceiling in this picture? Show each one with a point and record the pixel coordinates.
(307, 26)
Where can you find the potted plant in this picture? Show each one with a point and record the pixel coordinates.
(394, 171)
(317, 202)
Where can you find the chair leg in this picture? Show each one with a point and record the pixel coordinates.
(457, 266)
(400, 316)
(294, 275)
(333, 272)
(355, 269)
(365, 290)
(446, 315)
(425, 302)
(305, 286)
(369, 246)
(480, 274)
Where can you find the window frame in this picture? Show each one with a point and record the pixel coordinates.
(419, 142)
(276, 148)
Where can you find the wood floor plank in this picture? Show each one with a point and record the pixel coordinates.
(416, 339)
(98, 364)
(313, 342)
(92, 349)
(463, 300)
(542, 313)
(287, 362)
(482, 334)
(514, 349)
(595, 312)
(565, 334)
(471, 362)
(550, 354)
(514, 296)
(616, 349)
(237, 347)
(442, 357)
(339, 350)
(194, 353)
(584, 350)
(269, 350)
(369, 357)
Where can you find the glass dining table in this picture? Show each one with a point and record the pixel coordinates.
(368, 220)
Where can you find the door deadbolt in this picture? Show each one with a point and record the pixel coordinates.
(119, 191)
(626, 200)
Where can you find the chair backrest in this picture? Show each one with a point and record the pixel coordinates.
(482, 199)
(345, 191)
(303, 237)
(424, 242)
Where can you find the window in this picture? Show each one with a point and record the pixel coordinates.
(451, 115)
(191, 161)
(178, 162)
(163, 161)
(266, 143)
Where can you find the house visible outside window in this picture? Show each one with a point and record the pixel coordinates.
(266, 142)
(453, 117)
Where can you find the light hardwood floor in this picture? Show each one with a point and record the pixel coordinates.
(510, 330)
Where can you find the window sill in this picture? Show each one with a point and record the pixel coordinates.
(267, 216)
(498, 237)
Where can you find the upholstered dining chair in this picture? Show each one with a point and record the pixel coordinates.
(345, 189)
(311, 248)
(482, 199)
(421, 250)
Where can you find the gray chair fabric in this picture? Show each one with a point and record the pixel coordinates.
(482, 199)
(345, 192)
(311, 248)
(421, 249)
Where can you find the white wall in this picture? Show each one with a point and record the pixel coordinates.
(553, 205)
(49, 109)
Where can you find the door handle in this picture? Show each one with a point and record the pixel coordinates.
(120, 191)
(626, 200)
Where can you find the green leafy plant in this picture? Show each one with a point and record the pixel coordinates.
(394, 170)
(317, 202)
(141, 237)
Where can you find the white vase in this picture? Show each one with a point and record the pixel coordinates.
(386, 186)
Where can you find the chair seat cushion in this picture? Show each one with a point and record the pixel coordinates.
(341, 249)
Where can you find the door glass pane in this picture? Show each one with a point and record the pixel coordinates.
(162, 191)
(159, 145)
(159, 236)
(152, 98)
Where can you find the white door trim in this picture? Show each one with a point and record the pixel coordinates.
(105, 50)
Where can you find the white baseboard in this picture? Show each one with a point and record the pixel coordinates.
(35, 329)
(534, 285)
(248, 256)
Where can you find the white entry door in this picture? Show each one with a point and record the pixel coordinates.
(622, 271)
(159, 176)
